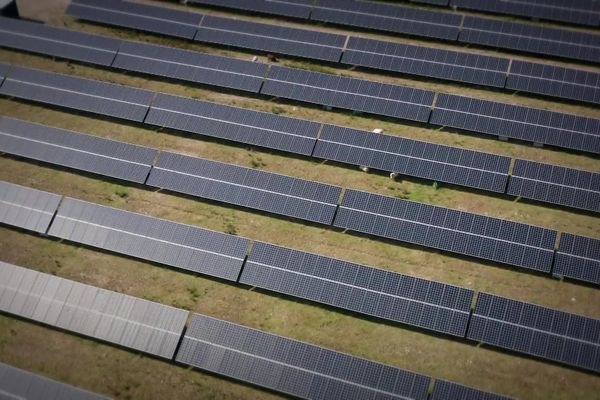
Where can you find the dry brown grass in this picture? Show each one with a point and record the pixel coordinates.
(122, 374)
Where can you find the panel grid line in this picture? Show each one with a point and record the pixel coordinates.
(76, 92)
(359, 287)
(270, 37)
(47, 39)
(409, 156)
(228, 122)
(242, 185)
(73, 148)
(352, 93)
(296, 367)
(511, 120)
(440, 227)
(150, 237)
(389, 17)
(136, 15)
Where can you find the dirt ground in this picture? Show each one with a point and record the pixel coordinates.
(123, 374)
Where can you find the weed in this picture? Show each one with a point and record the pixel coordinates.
(257, 162)
(193, 290)
(230, 229)
(277, 110)
(122, 192)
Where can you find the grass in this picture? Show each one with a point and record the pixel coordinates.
(277, 110)
(309, 67)
(122, 192)
(122, 374)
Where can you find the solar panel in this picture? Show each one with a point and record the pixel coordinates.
(554, 184)
(349, 93)
(413, 158)
(26, 208)
(290, 366)
(190, 66)
(549, 80)
(77, 93)
(451, 230)
(531, 38)
(517, 122)
(3, 71)
(271, 38)
(564, 10)
(165, 242)
(547, 333)
(113, 317)
(358, 288)
(75, 150)
(389, 18)
(578, 257)
(137, 16)
(287, 8)
(39, 38)
(426, 61)
(444, 390)
(232, 184)
(18, 384)
(231, 123)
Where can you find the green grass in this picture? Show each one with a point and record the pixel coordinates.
(309, 66)
(122, 192)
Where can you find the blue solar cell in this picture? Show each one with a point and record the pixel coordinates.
(177, 245)
(190, 66)
(278, 194)
(578, 257)
(565, 10)
(73, 45)
(271, 38)
(231, 123)
(292, 367)
(426, 61)
(112, 317)
(451, 230)
(77, 93)
(388, 17)
(27, 208)
(531, 38)
(383, 294)
(555, 184)
(547, 333)
(550, 80)
(3, 71)
(349, 93)
(287, 8)
(17, 383)
(413, 158)
(137, 16)
(518, 122)
(75, 150)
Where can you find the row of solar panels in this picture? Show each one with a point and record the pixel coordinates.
(532, 180)
(530, 38)
(582, 12)
(469, 114)
(18, 384)
(479, 236)
(275, 362)
(550, 334)
(536, 78)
